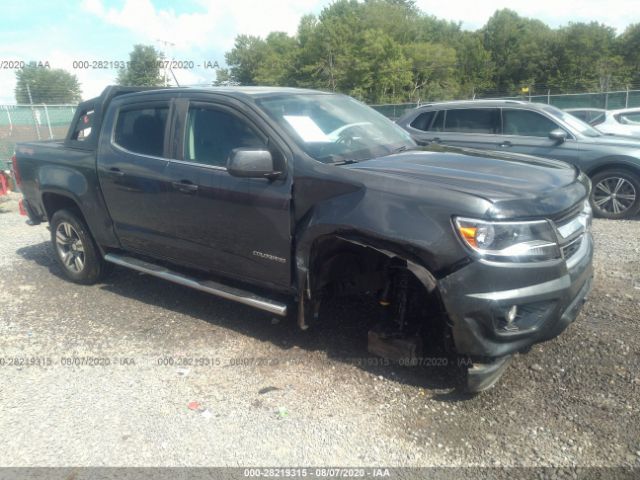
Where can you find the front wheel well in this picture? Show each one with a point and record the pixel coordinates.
(340, 267)
(614, 166)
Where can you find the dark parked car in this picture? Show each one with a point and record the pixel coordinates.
(612, 163)
(277, 197)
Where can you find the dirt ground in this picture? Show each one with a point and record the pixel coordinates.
(137, 371)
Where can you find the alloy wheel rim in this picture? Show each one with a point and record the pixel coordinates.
(70, 247)
(614, 195)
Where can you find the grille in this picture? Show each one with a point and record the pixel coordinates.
(570, 228)
(571, 248)
(569, 214)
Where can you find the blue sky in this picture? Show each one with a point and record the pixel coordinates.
(202, 30)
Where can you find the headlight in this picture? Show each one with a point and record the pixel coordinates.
(509, 241)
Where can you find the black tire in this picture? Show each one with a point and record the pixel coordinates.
(74, 248)
(615, 194)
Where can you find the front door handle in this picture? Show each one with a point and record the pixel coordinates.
(506, 144)
(435, 140)
(185, 186)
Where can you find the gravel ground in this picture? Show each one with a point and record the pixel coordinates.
(268, 394)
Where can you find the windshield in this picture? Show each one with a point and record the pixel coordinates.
(336, 128)
(576, 124)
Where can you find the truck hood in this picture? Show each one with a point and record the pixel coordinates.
(515, 185)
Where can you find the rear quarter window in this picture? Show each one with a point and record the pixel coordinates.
(82, 129)
(423, 121)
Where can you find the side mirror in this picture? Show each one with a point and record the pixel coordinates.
(559, 135)
(251, 163)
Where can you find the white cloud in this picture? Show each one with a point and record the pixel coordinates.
(216, 25)
(93, 6)
(141, 17)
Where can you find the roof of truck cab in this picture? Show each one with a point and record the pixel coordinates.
(238, 92)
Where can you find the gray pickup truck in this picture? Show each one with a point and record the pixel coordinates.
(283, 199)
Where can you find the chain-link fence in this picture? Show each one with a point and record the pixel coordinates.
(606, 100)
(19, 123)
(394, 110)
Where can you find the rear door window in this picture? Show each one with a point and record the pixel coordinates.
(473, 120)
(142, 129)
(526, 123)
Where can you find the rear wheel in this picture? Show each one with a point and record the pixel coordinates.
(615, 194)
(75, 250)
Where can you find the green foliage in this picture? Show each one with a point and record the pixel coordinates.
(47, 85)
(385, 51)
(628, 47)
(519, 49)
(143, 69)
(586, 58)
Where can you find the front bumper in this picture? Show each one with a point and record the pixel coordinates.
(548, 295)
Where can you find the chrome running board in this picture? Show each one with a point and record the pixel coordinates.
(209, 286)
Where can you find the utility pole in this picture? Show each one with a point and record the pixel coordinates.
(166, 44)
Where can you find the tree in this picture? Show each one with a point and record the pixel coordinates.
(628, 46)
(223, 78)
(433, 68)
(277, 66)
(244, 59)
(391, 51)
(584, 52)
(46, 85)
(475, 69)
(519, 49)
(143, 69)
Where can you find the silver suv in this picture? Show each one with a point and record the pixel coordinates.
(612, 163)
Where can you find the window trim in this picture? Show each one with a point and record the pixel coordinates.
(141, 106)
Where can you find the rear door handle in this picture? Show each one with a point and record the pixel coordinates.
(506, 144)
(185, 186)
(115, 171)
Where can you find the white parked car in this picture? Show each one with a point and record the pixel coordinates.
(625, 121)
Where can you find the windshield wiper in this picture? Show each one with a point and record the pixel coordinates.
(404, 148)
(337, 160)
(345, 161)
